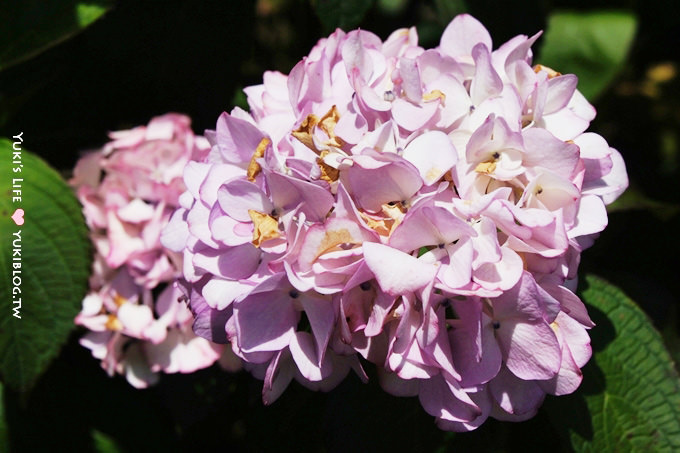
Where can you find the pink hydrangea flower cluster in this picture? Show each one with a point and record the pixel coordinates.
(129, 189)
(421, 209)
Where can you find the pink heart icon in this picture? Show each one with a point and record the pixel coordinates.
(18, 217)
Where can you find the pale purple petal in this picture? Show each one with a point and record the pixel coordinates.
(438, 398)
(413, 116)
(462, 34)
(321, 315)
(516, 396)
(233, 263)
(307, 357)
(374, 179)
(530, 349)
(429, 225)
(475, 351)
(397, 272)
(544, 150)
(265, 321)
(591, 217)
(433, 154)
(239, 196)
(408, 70)
(560, 91)
(617, 178)
(219, 293)
(486, 82)
(182, 352)
(237, 139)
(288, 193)
(280, 373)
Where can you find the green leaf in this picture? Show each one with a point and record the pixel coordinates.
(392, 7)
(47, 259)
(240, 99)
(28, 27)
(344, 14)
(448, 9)
(592, 45)
(630, 386)
(104, 443)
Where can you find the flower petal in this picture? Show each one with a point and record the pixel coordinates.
(397, 272)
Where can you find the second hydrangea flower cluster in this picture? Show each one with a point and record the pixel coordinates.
(136, 324)
(423, 209)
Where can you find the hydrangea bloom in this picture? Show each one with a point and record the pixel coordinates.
(423, 209)
(129, 190)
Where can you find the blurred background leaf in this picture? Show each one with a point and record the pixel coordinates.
(592, 45)
(55, 266)
(633, 198)
(343, 14)
(104, 443)
(392, 6)
(28, 27)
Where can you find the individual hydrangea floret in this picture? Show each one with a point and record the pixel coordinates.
(423, 210)
(138, 325)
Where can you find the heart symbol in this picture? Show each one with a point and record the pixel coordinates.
(18, 217)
